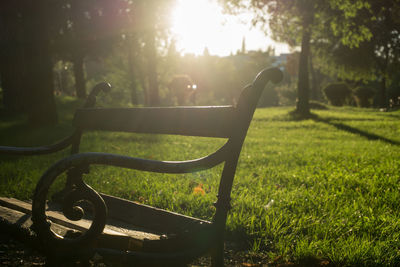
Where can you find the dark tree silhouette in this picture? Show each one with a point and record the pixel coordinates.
(12, 71)
(25, 34)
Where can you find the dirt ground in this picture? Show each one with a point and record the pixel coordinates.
(16, 253)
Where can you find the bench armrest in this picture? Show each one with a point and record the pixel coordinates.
(29, 151)
(96, 158)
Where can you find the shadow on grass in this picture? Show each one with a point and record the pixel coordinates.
(296, 116)
(353, 130)
(393, 115)
(340, 126)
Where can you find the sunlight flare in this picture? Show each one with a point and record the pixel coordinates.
(200, 24)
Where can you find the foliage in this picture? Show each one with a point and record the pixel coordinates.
(337, 93)
(112, 69)
(63, 78)
(181, 87)
(355, 40)
(364, 96)
(364, 44)
(269, 98)
(394, 91)
(292, 64)
(213, 76)
(287, 94)
(290, 22)
(324, 188)
(309, 25)
(351, 40)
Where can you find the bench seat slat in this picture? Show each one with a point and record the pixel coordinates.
(144, 216)
(213, 121)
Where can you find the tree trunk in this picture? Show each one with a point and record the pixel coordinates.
(314, 80)
(302, 106)
(131, 68)
(39, 69)
(383, 103)
(80, 84)
(13, 81)
(152, 79)
(12, 61)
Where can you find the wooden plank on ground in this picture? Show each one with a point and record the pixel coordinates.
(18, 213)
(153, 218)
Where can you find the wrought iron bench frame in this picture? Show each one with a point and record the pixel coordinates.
(195, 237)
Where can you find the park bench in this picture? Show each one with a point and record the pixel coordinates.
(151, 236)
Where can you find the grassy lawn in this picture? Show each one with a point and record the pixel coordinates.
(325, 188)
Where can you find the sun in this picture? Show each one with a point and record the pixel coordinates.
(200, 24)
(196, 24)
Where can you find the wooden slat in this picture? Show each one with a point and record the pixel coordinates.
(215, 121)
(158, 220)
(118, 236)
(23, 221)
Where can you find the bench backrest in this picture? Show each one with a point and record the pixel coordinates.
(206, 121)
(214, 121)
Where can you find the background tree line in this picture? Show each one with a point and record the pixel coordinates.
(356, 41)
(35, 35)
(65, 46)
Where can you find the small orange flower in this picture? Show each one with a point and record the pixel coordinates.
(199, 190)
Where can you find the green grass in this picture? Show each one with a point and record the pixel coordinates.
(325, 188)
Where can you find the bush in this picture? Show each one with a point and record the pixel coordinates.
(394, 93)
(363, 96)
(337, 93)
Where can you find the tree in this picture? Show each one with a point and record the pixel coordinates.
(132, 47)
(32, 34)
(365, 43)
(42, 108)
(243, 50)
(78, 49)
(12, 59)
(33, 66)
(150, 52)
(147, 22)
(88, 29)
(292, 22)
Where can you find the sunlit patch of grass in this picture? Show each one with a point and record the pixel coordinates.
(325, 188)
